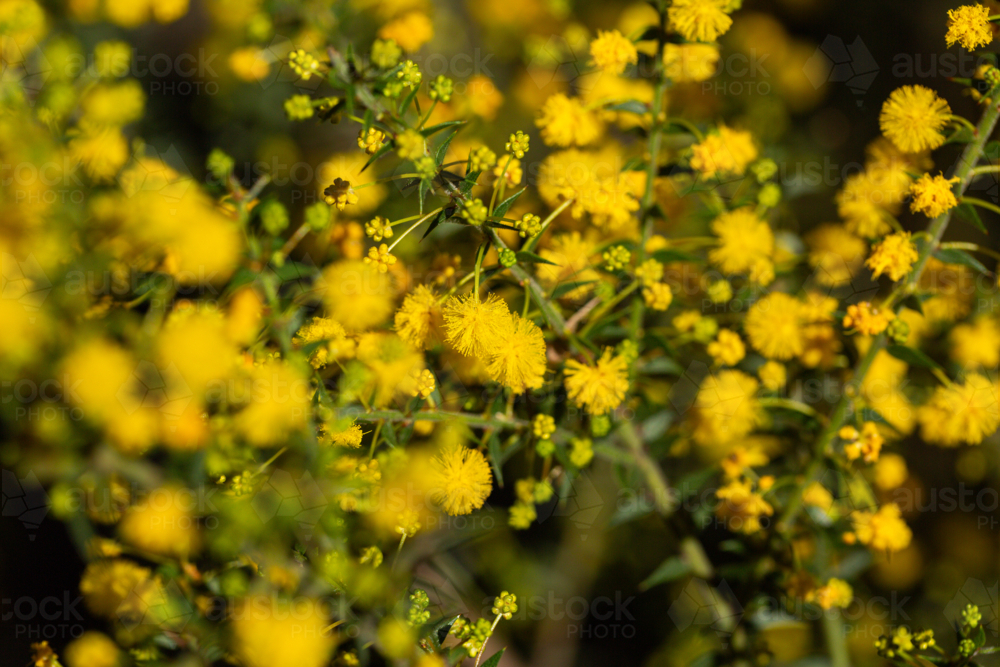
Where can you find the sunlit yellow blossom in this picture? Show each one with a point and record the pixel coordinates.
(963, 413)
(658, 296)
(741, 507)
(744, 241)
(518, 360)
(913, 117)
(598, 388)
(410, 31)
(565, 122)
(817, 495)
(867, 319)
(268, 632)
(835, 594)
(977, 343)
(571, 256)
(357, 295)
(772, 375)
(106, 584)
(890, 472)
(774, 326)
(92, 649)
(474, 327)
(163, 524)
(893, 256)
(336, 345)
(970, 26)
(726, 408)
(462, 480)
(884, 530)
(690, 62)
(700, 20)
(727, 152)
(612, 52)
(380, 258)
(741, 459)
(418, 320)
(727, 349)
(868, 444)
(932, 195)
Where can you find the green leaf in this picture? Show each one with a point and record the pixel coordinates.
(912, 356)
(631, 106)
(386, 147)
(434, 129)
(494, 659)
(496, 456)
(425, 187)
(532, 258)
(566, 288)
(442, 150)
(505, 205)
(669, 570)
(389, 433)
(962, 136)
(992, 151)
(441, 630)
(955, 256)
(667, 256)
(968, 213)
(662, 366)
(469, 182)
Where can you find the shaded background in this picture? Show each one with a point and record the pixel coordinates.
(583, 569)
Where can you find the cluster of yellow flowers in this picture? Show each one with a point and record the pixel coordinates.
(355, 373)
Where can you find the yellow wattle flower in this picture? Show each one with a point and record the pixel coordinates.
(894, 256)
(518, 361)
(970, 26)
(913, 117)
(932, 195)
(462, 480)
(700, 20)
(598, 388)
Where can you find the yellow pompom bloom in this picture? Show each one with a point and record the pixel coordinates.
(894, 256)
(102, 150)
(410, 31)
(774, 326)
(106, 584)
(690, 62)
(885, 530)
(727, 152)
(932, 195)
(92, 649)
(278, 397)
(836, 594)
(700, 20)
(267, 632)
(462, 480)
(745, 241)
(598, 388)
(612, 51)
(835, 254)
(726, 408)
(566, 122)
(772, 375)
(518, 361)
(970, 26)
(477, 328)
(249, 64)
(336, 345)
(817, 495)
(741, 459)
(163, 523)
(357, 295)
(867, 319)
(890, 472)
(913, 117)
(418, 320)
(868, 443)
(658, 296)
(741, 507)
(961, 413)
(727, 349)
(976, 344)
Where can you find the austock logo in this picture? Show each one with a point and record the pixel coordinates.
(24, 499)
(851, 64)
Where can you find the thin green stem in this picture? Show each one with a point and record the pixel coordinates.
(606, 308)
(552, 315)
(533, 241)
(414, 226)
(975, 201)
